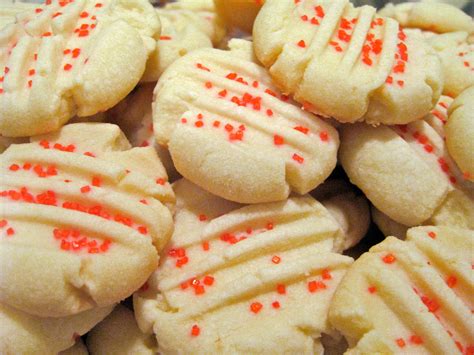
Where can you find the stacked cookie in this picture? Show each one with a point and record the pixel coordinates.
(171, 187)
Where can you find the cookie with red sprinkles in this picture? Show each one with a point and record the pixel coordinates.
(71, 57)
(243, 279)
(83, 219)
(347, 62)
(411, 296)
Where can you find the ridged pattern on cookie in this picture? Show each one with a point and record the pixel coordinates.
(230, 273)
(71, 57)
(399, 166)
(410, 296)
(22, 333)
(255, 146)
(347, 62)
(79, 220)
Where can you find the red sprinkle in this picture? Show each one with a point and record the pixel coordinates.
(298, 158)
(326, 274)
(302, 44)
(202, 217)
(432, 235)
(278, 140)
(67, 67)
(276, 304)
(416, 339)
(451, 281)
(389, 259)
(276, 259)
(324, 136)
(208, 280)
(195, 330)
(372, 289)
(256, 307)
(14, 167)
(85, 189)
(281, 289)
(401, 343)
(10, 231)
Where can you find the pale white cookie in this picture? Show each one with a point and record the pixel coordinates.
(407, 173)
(231, 132)
(82, 222)
(460, 132)
(8, 10)
(71, 57)
(239, 14)
(21, 333)
(456, 51)
(410, 297)
(243, 279)
(350, 210)
(429, 16)
(207, 10)
(182, 31)
(347, 62)
(134, 116)
(119, 334)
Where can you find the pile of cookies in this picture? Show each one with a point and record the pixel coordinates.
(236, 177)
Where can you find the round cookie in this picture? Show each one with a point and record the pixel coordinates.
(119, 334)
(255, 145)
(429, 16)
(82, 222)
(239, 14)
(350, 210)
(134, 116)
(243, 279)
(71, 57)
(407, 173)
(456, 51)
(21, 333)
(411, 297)
(460, 132)
(347, 62)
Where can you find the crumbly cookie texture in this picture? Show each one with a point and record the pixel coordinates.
(456, 51)
(347, 62)
(351, 211)
(243, 279)
(255, 145)
(460, 132)
(429, 16)
(71, 57)
(21, 333)
(80, 209)
(407, 172)
(119, 334)
(410, 296)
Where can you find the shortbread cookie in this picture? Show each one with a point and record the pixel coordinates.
(21, 333)
(429, 16)
(387, 225)
(182, 31)
(231, 132)
(78, 349)
(134, 116)
(119, 334)
(243, 279)
(456, 51)
(407, 173)
(207, 10)
(460, 132)
(410, 297)
(83, 220)
(239, 14)
(350, 210)
(346, 62)
(71, 57)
